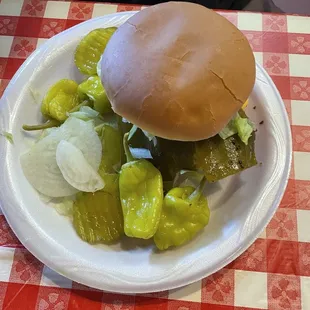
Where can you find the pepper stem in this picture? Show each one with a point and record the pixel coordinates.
(196, 194)
(129, 156)
(54, 122)
(48, 124)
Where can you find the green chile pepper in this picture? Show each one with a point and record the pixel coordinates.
(112, 153)
(185, 212)
(93, 89)
(60, 99)
(141, 193)
(53, 122)
(112, 148)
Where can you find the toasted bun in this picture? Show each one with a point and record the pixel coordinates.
(178, 70)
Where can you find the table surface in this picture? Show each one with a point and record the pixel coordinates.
(274, 273)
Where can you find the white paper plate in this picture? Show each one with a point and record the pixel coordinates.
(241, 205)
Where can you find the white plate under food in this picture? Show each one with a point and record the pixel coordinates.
(241, 205)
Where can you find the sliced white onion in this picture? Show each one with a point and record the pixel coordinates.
(75, 168)
(40, 168)
(39, 163)
(82, 135)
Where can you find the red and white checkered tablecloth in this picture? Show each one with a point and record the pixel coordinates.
(274, 273)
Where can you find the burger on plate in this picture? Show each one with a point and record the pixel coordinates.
(182, 73)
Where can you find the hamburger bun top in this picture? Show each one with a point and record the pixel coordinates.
(178, 70)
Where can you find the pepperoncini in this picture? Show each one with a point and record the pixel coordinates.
(61, 98)
(141, 193)
(93, 90)
(185, 212)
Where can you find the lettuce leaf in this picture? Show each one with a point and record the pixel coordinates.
(238, 125)
(229, 130)
(244, 128)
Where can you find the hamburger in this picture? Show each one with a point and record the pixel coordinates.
(181, 73)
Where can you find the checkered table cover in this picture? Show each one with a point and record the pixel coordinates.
(274, 273)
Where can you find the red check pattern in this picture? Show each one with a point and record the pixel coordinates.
(274, 273)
